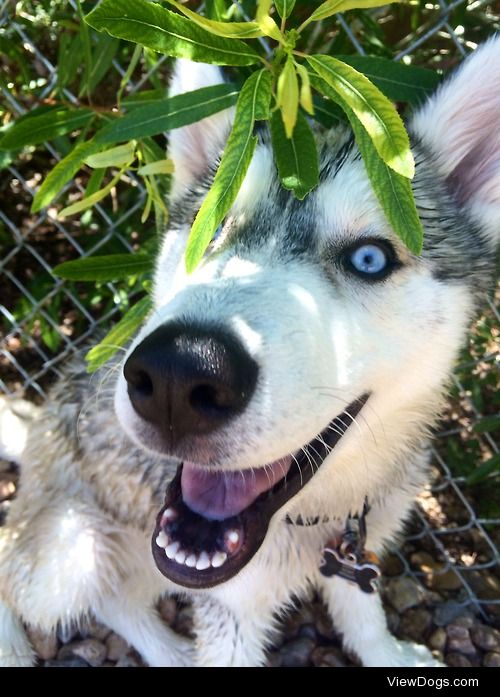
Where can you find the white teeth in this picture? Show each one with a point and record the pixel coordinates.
(172, 550)
(191, 561)
(162, 539)
(203, 562)
(180, 556)
(168, 515)
(218, 559)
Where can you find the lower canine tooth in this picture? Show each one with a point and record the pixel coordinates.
(180, 556)
(172, 550)
(203, 562)
(218, 559)
(162, 539)
(168, 515)
(191, 561)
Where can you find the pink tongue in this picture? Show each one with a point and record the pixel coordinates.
(220, 495)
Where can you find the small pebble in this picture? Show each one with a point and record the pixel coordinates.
(437, 640)
(116, 647)
(404, 593)
(459, 640)
(492, 660)
(90, 650)
(328, 657)
(456, 660)
(296, 653)
(486, 638)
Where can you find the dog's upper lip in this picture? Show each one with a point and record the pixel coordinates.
(197, 552)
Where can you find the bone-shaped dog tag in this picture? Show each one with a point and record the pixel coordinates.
(362, 575)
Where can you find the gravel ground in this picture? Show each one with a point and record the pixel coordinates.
(427, 613)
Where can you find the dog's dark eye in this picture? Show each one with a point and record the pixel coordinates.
(371, 260)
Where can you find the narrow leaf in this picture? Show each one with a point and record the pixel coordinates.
(102, 59)
(393, 191)
(159, 167)
(113, 157)
(119, 335)
(306, 100)
(90, 201)
(284, 7)
(372, 108)
(38, 129)
(159, 29)
(253, 104)
(62, 173)
(296, 157)
(288, 96)
(109, 267)
(94, 182)
(399, 82)
(230, 30)
(489, 467)
(267, 23)
(331, 7)
(181, 110)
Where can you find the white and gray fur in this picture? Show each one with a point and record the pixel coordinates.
(77, 539)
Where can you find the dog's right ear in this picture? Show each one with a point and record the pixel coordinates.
(193, 148)
(460, 124)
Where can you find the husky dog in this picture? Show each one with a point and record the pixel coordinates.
(283, 388)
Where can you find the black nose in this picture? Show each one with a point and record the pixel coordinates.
(189, 380)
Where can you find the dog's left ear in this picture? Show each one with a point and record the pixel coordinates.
(461, 126)
(193, 148)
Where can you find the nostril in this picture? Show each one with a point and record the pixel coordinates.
(141, 383)
(209, 399)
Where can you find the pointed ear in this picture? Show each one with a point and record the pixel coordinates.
(461, 126)
(193, 148)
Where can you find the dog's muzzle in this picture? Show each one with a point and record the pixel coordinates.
(187, 382)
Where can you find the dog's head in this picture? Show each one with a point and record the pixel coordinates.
(310, 346)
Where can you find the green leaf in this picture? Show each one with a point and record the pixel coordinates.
(109, 267)
(306, 100)
(181, 110)
(62, 173)
(489, 467)
(253, 104)
(296, 157)
(94, 182)
(288, 96)
(230, 30)
(399, 82)
(159, 29)
(487, 424)
(119, 335)
(216, 9)
(327, 113)
(372, 108)
(158, 167)
(102, 59)
(284, 7)
(331, 7)
(113, 157)
(393, 191)
(267, 23)
(38, 129)
(89, 201)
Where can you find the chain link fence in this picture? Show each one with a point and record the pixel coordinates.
(452, 544)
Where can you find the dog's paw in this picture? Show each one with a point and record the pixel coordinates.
(402, 654)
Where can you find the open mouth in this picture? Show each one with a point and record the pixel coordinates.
(212, 523)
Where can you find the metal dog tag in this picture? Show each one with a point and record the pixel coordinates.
(347, 567)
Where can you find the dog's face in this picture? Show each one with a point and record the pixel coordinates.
(310, 347)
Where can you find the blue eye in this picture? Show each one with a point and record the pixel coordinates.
(370, 260)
